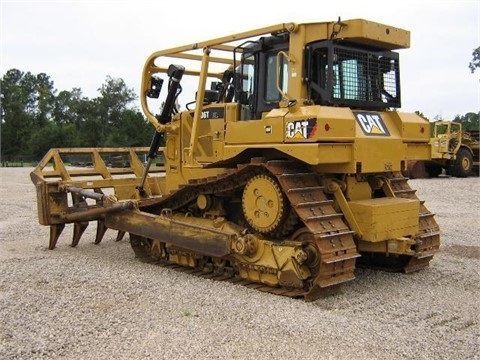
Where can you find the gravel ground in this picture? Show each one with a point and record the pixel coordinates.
(99, 302)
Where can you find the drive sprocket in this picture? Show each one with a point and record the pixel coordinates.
(264, 205)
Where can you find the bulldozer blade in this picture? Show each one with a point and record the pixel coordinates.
(78, 229)
(55, 231)
(120, 235)
(101, 229)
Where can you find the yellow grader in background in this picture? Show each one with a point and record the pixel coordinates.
(283, 175)
(454, 152)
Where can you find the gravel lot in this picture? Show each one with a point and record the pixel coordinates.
(99, 302)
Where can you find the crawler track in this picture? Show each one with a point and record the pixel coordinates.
(317, 224)
(209, 269)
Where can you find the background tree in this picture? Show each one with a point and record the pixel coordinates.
(68, 107)
(131, 130)
(475, 63)
(18, 104)
(44, 99)
(35, 119)
(111, 120)
(50, 136)
(469, 121)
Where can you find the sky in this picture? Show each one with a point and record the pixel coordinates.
(79, 43)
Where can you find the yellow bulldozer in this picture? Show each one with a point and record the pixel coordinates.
(283, 173)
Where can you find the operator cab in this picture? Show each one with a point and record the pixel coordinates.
(256, 77)
(335, 74)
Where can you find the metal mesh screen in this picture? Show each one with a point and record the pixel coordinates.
(365, 76)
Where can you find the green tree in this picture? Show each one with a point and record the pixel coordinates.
(469, 121)
(115, 98)
(27, 106)
(132, 130)
(18, 107)
(52, 135)
(92, 124)
(475, 63)
(44, 94)
(78, 114)
(101, 118)
(68, 107)
(34, 118)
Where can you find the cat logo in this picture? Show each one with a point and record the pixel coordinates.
(371, 124)
(301, 129)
